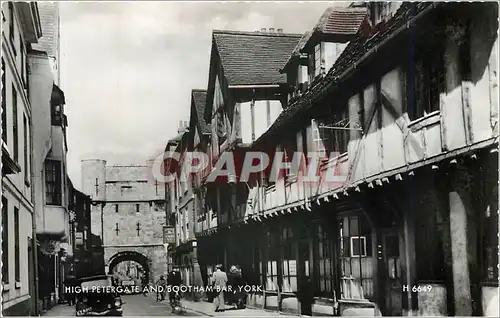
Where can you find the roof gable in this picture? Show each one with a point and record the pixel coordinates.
(254, 58)
(342, 21)
(199, 102)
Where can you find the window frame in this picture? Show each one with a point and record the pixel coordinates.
(4, 105)
(318, 59)
(346, 276)
(56, 193)
(287, 245)
(5, 241)
(427, 82)
(17, 256)
(324, 255)
(12, 29)
(25, 152)
(15, 124)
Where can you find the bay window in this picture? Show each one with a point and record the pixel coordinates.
(355, 257)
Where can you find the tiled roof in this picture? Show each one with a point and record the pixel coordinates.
(199, 98)
(296, 51)
(358, 48)
(49, 19)
(253, 58)
(336, 20)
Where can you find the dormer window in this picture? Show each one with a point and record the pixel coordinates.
(380, 11)
(317, 61)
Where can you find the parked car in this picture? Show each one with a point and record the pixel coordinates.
(98, 297)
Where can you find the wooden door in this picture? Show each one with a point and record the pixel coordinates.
(391, 274)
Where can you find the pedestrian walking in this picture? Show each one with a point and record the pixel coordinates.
(220, 285)
(161, 285)
(145, 285)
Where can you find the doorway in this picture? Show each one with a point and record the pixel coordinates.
(306, 288)
(390, 273)
(31, 277)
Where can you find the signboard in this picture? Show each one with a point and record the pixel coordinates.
(79, 238)
(168, 235)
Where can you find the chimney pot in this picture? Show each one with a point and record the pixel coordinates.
(263, 30)
(280, 30)
(271, 30)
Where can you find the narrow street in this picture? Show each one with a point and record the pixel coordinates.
(134, 305)
(140, 305)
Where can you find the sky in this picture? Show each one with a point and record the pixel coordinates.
(128, 68)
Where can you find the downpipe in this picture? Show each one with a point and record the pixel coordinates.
(33, 221)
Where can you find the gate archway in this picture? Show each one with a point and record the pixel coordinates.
(129, 256)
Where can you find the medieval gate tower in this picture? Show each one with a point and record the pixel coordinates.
(128, 213)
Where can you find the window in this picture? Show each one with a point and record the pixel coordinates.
(137, 208)
(4, 105)
(138, 228)
(23, 61)
(490, 240)
(324, 262)
(117, 230)
(116, 208)
(355, 258)
(5, 240)
(289, 283)
(11, 28)
(57, 112)
(272, 262)
(26, 163)
(14, 124)
(426, 83)
(318, 59)
(341, 134)
(16, 246)
(53, 182)
(318, 140)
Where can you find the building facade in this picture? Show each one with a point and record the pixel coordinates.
(20, 30)
(52, 187)
(411, 140)
(128, 214)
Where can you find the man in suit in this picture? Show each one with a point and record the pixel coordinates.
(220, 286)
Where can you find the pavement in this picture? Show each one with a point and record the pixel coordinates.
(207, 309)
(140, 305)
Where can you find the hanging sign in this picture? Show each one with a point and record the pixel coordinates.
(168, 235)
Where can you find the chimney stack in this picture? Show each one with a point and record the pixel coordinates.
(280, 30)
(271, 30)
(182, 127)
(263, 30)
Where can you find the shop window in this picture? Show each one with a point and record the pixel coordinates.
(355, 258)
(289, 282)
(272, 263)
(324, 263)
(490, 240)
